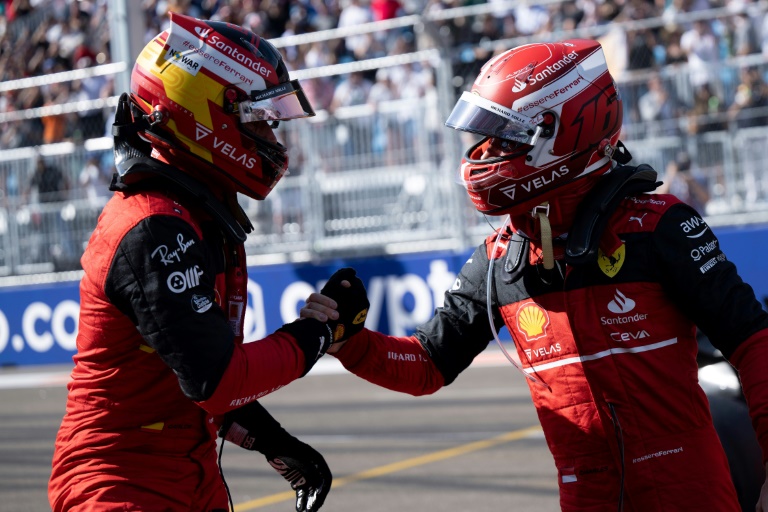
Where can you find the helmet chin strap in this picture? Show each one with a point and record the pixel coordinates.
(541, 213)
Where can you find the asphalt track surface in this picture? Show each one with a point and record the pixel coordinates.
(473, 446)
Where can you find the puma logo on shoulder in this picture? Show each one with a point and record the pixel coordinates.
(638, 219)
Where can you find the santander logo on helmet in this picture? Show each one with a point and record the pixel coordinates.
(202, 32)
(572, 105)
(196, 75)
(548, 71)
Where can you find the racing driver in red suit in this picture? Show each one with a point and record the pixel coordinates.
(161, 369)
(601, 285)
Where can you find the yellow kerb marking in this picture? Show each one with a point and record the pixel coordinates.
(398, 466)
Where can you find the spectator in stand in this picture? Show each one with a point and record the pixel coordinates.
(763, 36)
(567, 15)
(641, 45)
(93, 181)
(707, 113)
(90, 121)
(411, 81)
(750, 104)
(70, 35)
(749, 110)
(743, 37)
(659, 108)
(485, 29)
(701, 47)
(384, 136)
(319, 90)
(670, 48)
(55, 125)
(686, 182)
(353, 135)
(675, 8)
(371, 47)
(30, 131)
(351, 91)
(615, 37)
(276, 15)
(386, 9)
(530, 19)
(352, 14)
(9, 187)
(47, 184)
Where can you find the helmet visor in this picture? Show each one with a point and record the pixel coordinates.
(279, 103)
(476, 114)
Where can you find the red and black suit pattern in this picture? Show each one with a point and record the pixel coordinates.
(612, 346)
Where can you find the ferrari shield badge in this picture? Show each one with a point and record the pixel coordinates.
(610, 265)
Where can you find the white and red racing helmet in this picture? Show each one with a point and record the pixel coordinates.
(211, 92)
(550, 115)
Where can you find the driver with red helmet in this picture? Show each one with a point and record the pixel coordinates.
(600, 283)
(161, 369)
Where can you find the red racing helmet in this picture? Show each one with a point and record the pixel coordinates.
(550, 115)
(211, 92)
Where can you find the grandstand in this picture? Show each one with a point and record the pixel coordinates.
(375, 176)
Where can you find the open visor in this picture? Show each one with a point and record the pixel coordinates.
(279, 103)
(476, 114)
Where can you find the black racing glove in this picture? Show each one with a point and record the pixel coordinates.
(253, 428)
(352, 303)
(313, 336)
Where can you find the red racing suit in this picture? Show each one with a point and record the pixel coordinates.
(613, 343)
(159, 360)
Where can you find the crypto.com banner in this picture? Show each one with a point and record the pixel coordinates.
(38, 324)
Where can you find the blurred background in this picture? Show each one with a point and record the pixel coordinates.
(373, 172)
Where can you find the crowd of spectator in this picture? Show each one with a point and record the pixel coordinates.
(47, 36)
(39, 37)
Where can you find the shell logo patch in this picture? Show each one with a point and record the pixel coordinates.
(610, 265)
(532, 321)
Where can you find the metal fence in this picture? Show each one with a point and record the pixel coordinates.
(339, 203)
(380, 178)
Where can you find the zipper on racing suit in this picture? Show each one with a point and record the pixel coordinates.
(620, 441)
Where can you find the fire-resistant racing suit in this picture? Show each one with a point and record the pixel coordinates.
(160, 356)
(612, 345)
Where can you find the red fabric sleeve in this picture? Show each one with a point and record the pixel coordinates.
(751, 359)
(399, 364)
(256, 369)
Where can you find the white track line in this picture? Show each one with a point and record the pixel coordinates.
(15, 379)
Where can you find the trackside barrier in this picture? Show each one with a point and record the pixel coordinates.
(38, 323)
